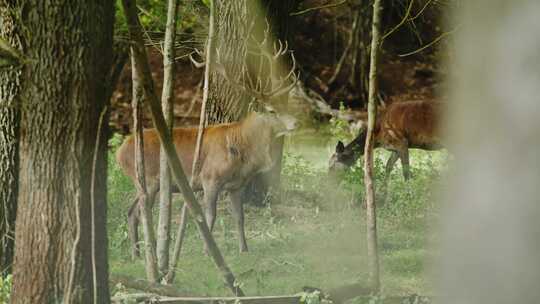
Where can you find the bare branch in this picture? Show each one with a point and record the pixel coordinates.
(421, 11)
(403, 20)
(311, 9)
(436, 40)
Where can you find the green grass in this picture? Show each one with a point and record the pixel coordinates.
(314, 237)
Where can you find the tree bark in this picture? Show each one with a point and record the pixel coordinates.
(236, 23)
(167, 104)
(371, 215)
(10, 85)
(226, 102)
(65, 83)
(143, 69)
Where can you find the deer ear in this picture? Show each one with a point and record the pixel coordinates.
(340, 147)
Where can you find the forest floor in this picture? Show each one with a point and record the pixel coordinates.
(314, 237)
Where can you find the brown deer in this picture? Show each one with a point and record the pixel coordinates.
(399, 127)
(232, 154)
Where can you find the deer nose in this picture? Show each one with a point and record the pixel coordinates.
(336, 167)
(295, 125)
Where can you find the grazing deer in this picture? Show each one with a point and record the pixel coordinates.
(231, 155)
(399, 127)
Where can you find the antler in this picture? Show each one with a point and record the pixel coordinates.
(197, 64)
(263, 87)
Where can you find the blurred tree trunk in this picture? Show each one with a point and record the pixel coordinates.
(10, 84)
(167, 104)
(371, 215)
(236, 23)
(62, 100)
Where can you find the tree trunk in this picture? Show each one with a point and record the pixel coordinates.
(371, 215)
(167, 104)
(236, 20)
(143, 197)
(143, 69)
(488, 229)
(10, 84)
(361, 56)
(198, 146)
(68, 52)
(226, 102)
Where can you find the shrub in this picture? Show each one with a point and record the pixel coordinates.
(5, 288)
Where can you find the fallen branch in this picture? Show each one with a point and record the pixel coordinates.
(146, 286)
(232, 300)
(319, 105)
(133, 298)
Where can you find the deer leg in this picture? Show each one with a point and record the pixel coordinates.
(152, 194)
(133, 219)
(133, 228)
(389, 166)
(238, 213)
(211, 193)
(404, 156)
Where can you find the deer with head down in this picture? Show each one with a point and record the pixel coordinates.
(230, 155)
(399, 127)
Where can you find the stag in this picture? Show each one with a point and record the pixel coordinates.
(231, 154)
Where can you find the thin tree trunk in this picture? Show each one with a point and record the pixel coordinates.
(179, 241)
(352, 38)
(10, 85)
(371, 215)
(64, 93)
(167, 104)
(198, 145)
(143, 69)
(142, 193)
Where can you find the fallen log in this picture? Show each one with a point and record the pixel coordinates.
(232, 300)
(363, 294)
(147, 287)
(133, 298)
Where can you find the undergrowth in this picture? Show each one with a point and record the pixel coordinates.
(313, 236)
(5, 288)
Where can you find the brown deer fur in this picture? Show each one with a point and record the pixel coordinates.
(399, 127)
(231, 154)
